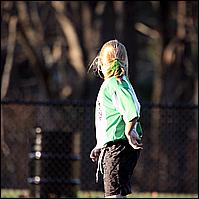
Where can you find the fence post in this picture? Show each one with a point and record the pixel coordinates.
(35, 163)
(57, 173)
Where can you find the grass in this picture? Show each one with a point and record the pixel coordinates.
(10, 193)
(92, 194)
(13, 193)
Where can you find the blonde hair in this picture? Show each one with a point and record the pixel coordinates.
(112, 58)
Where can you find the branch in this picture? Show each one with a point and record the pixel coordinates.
(119, 10)
(88, 30)
(100, 7)
(34, 39)
(35, 18)
(6, 74)
(9, 57)
(31, 54)
(32, 43)
(169, 54)
(146, 30)
(75, 52)
(181, 19)
(49, 57)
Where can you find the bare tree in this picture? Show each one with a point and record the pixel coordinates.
(7, 72)
(75, 52)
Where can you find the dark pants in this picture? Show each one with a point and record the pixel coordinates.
(119, 162)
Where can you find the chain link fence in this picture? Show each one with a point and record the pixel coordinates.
(45, 148)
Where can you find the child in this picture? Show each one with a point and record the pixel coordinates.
(117, 113)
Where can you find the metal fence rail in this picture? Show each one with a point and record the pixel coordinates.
(168, 162)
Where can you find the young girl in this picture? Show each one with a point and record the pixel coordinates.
(117, 113)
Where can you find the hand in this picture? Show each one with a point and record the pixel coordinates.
(94, 155)
(133, 140)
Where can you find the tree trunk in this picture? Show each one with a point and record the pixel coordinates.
(7, 72)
